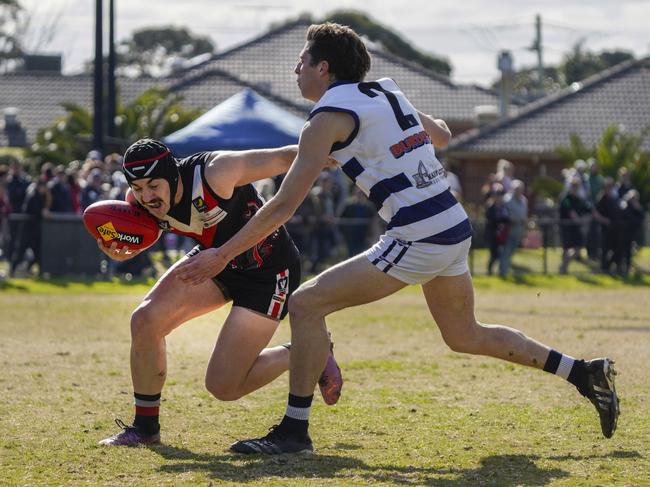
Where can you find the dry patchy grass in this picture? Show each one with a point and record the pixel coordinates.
(413, 412)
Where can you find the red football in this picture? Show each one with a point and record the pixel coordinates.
(121, 222)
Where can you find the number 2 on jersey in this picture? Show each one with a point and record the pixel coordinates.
(405, 121)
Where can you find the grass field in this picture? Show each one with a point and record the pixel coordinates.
(412, 412)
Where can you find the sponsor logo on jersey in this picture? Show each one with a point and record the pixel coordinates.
(108, 233)
(199, 204)
(411, 142)
(424, 178)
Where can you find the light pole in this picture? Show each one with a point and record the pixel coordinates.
(112, 93)
(98, 87)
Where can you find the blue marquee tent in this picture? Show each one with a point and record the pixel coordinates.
(243, 121)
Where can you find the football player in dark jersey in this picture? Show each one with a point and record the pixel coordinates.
(209, 196)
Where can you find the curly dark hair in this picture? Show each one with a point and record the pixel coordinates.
(342, 48)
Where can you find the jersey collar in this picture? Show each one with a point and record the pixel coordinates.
(339, 83)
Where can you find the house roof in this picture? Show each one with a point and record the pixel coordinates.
(207, 88)
(264, 64)
(267, 63)
(39, 96)
(620, 95)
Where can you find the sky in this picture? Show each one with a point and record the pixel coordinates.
(468, 33)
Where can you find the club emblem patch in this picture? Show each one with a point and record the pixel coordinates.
(199, 204)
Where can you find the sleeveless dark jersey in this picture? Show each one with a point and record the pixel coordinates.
(212, 220)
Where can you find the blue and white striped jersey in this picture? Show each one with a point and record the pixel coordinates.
(389, 156)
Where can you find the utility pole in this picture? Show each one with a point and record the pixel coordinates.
(98, 87)
(112, 93)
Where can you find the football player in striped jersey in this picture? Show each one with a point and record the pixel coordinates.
(386, 147)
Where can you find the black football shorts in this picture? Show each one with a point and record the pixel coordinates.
(265, 289)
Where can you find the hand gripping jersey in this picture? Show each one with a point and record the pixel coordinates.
(389, 156)
(212, 220)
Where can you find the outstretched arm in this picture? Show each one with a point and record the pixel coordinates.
(228, 169)
(437, 130)
(316, 140)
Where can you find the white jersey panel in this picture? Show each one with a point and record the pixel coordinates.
(389, 156)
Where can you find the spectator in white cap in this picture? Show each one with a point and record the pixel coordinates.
(92, 192)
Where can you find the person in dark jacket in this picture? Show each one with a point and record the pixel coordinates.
(608, 213)
(36, 205)
(633, 215)
(573, 208)
(17, 184)
(496, 225)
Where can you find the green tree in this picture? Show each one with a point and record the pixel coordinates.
(391, 41)
(153, 50)
(155, 113)
(579, 64)
(614, 150)
(576, 65)
(525, 82)
(10, 44)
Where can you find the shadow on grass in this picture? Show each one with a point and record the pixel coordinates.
(502, 470)
(615, 454)
(38, 284)
(8, 285)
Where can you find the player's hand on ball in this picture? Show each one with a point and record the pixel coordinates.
(117, 253)
(200, 267)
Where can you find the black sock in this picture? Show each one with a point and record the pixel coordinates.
(296, 418)
(147, 408)
(578, 376)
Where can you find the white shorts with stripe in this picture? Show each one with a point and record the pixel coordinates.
(418, 262)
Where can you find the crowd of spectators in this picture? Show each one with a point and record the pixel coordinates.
(599, 218)
(54, 190)
(600, 214)
(329, 221)
(506, 216)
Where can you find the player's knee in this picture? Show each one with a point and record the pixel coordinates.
(144, 325)
(303, 303)
(223, 391)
